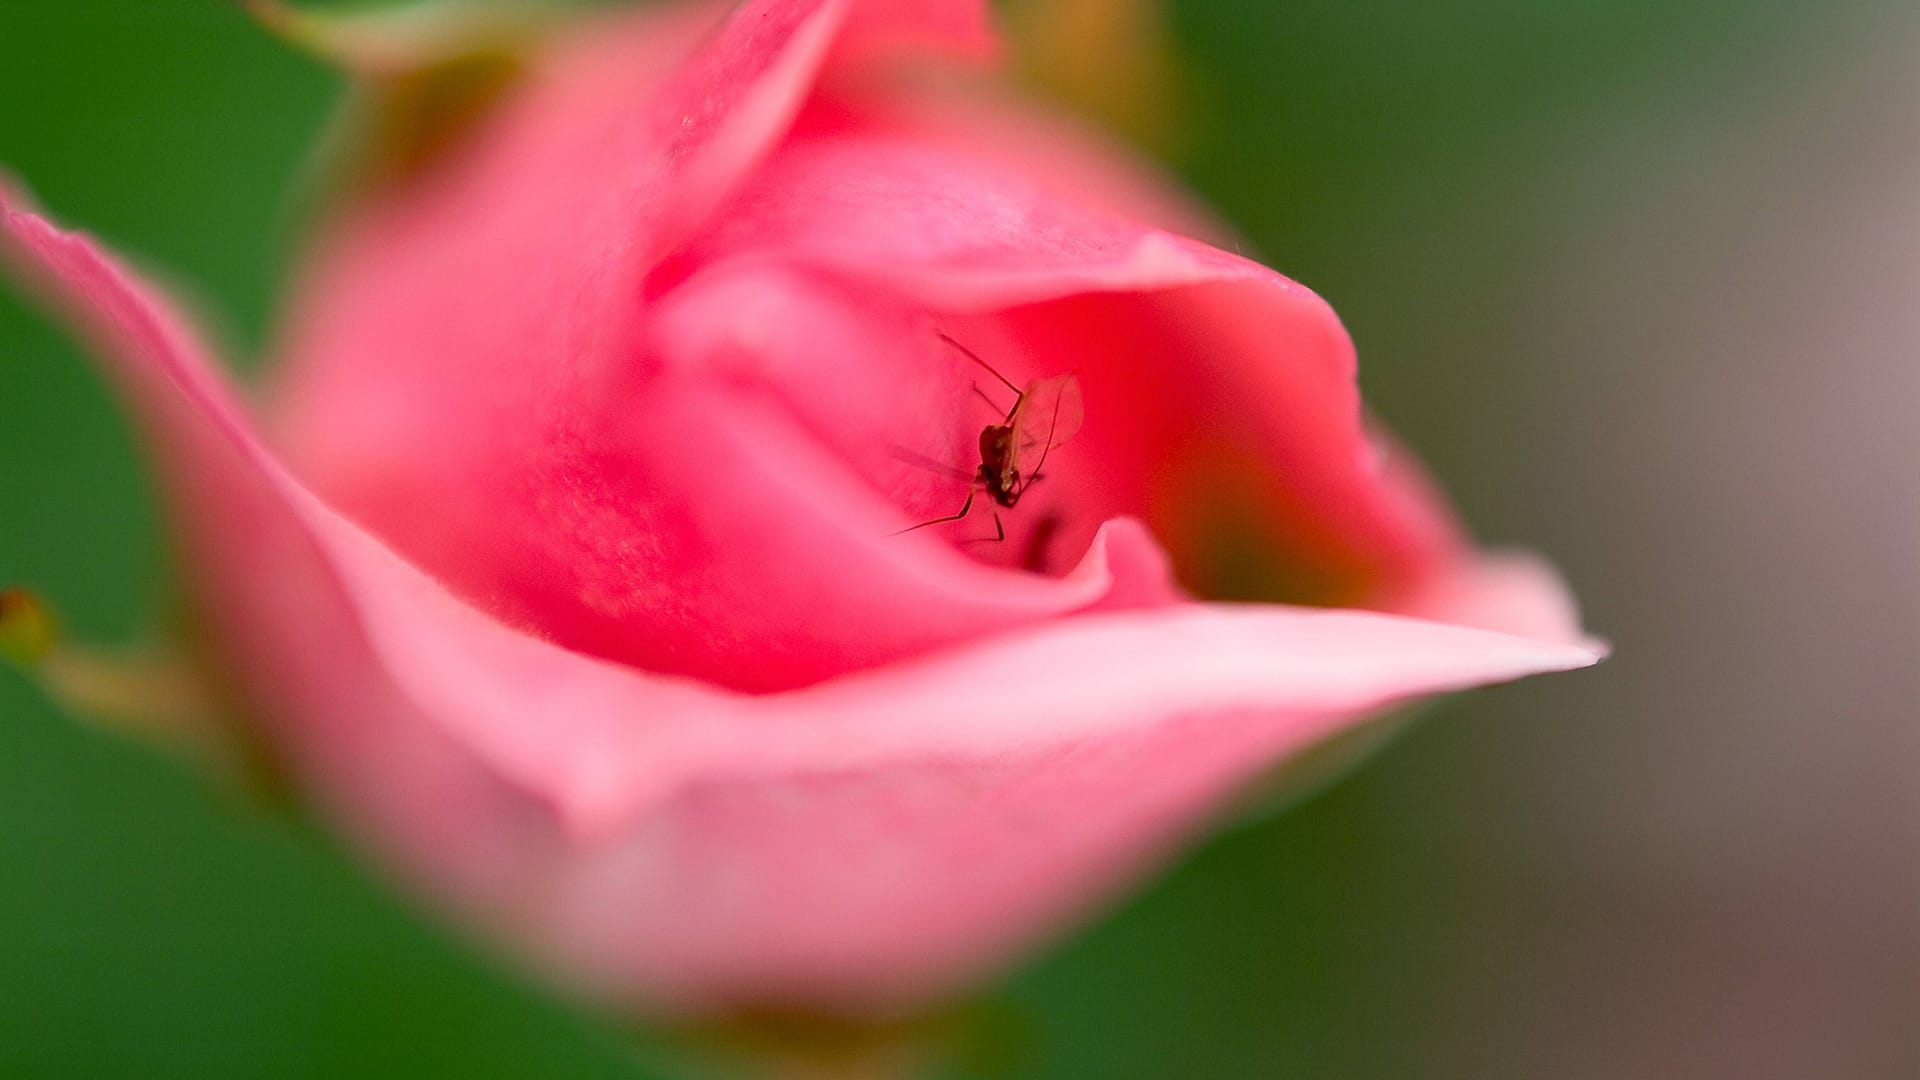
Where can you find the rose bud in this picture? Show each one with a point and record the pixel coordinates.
(570, 559)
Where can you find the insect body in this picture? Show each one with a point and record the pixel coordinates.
(1044, 415)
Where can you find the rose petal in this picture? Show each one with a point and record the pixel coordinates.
(462, 345)
(685, 848)
(892, 30)
(1513, 592)
(969, 230)
(455, 321)
(920, 824)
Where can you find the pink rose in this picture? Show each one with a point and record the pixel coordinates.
(564, 557)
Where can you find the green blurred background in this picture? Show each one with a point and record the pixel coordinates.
(1640, 280)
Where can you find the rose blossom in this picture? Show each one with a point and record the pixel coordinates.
(564, 558)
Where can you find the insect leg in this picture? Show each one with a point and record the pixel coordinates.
(964, 507)
(999, 533)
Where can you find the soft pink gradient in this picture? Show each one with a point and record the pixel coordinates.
(564, 565)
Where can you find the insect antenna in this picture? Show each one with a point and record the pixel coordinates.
(1018, 394)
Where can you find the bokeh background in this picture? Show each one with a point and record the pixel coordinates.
(1639, 278)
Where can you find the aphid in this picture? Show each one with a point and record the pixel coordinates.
(1044, 415)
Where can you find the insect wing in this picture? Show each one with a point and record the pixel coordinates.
(1049, 414)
